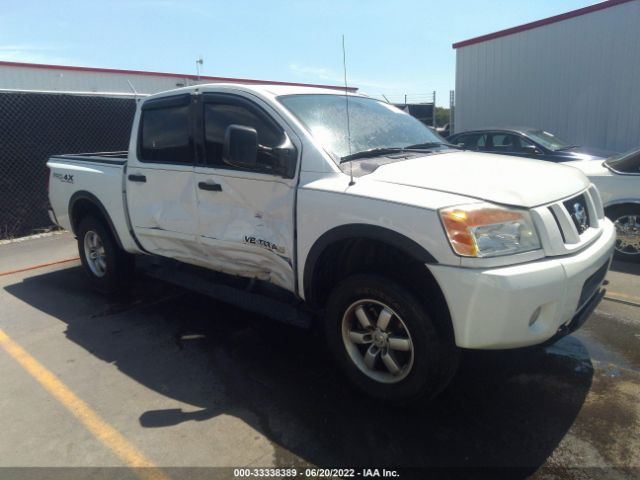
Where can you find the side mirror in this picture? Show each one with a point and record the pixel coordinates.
(240, 147)
(531, 149)
(286, 158)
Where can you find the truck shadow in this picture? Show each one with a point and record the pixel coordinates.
(504, 409)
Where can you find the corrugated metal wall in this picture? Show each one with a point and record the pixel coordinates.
(51, 79)
(578, 78)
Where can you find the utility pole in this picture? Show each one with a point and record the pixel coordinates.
(434, 109)
(452, 111)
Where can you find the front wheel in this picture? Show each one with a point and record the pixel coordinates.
(109, 268)
(626, 219)
(385, 342)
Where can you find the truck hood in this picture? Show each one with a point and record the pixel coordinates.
(494, 178)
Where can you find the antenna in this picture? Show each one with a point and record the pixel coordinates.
(346, 98)
(135, 94)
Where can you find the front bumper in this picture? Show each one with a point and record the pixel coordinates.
(525, 304)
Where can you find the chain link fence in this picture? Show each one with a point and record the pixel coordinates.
(34, 126)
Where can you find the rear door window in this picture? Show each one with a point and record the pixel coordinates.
(510, 143)
(471, 141)
(505, 142)
(165, 131)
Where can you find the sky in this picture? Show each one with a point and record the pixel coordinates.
(393, 48)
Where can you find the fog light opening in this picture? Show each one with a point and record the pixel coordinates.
(535, 316)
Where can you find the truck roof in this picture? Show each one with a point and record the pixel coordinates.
(272, 90)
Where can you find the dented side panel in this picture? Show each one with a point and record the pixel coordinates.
(163, 209)
(246, 228)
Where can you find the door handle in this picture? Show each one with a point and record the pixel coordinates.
(210, 186)
(137, 178)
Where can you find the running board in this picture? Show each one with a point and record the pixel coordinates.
(248, 294)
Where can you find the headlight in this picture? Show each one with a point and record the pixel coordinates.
(486, 230)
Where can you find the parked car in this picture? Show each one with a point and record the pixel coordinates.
(619, 187)
(403, 249)
(618, 179)
(436, 132)
(444, 130)
(525, 142)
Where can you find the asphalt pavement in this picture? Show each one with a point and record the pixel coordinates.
(164, 383)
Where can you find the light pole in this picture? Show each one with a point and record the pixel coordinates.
(199, 63)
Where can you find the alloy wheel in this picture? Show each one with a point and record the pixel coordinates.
(628, 234)
(95, 254)
(377, 341)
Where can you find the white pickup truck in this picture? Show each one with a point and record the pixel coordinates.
(341, 207)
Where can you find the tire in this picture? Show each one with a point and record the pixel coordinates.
(109, 267)
(626, 219)
(408, 343)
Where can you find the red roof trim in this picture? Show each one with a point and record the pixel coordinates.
(174, 75)
(540, 23)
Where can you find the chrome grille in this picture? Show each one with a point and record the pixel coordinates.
(579, 213)
(571, 224)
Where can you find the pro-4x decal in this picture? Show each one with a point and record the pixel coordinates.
(66, 178)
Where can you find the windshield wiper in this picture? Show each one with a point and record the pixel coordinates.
(377, 152)
(426, 145)
(373, 152)
(568, 147)
(433, 144)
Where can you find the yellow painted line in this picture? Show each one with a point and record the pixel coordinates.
(104, 432)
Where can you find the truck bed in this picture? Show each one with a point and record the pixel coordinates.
(118, 157)
(98, 176)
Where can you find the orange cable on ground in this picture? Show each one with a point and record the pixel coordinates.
(42, 265)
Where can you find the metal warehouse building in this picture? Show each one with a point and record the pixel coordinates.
(64, 78)
(54, 109)
(576, 75)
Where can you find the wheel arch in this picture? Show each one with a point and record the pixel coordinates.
(619, 203)
(364, 248)
(354, 232)
(83, 203)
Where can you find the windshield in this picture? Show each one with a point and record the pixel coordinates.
(547, 140)
(373, 124)
(627, 162)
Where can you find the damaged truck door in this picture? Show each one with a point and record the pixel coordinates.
(245, 212)
(160, 181)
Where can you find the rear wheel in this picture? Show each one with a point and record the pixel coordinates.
(385, 342)
(107, 265)
(626, 219)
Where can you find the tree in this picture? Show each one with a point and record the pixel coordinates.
(442, 116)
